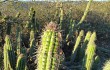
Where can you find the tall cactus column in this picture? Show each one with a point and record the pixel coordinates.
(90, 52)
(48, 55)
(21, 62)
(9, 56)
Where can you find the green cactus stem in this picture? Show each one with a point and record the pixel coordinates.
(32, 43)
(18, 40)
(21, 62)
(48, 51)
(90, 53)
(9, 55)
(86, 12)
(84, 45)
(32, 19)
(71, 30)
(76, 46)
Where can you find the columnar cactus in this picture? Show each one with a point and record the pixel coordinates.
(84, 45)
(21, 62)
(90, 52)
(71, 30)
(32, 43)
(106, 65)
(9, 56)
(86, 12)
(47, 57)
(32, 20)
(18, 40)
(76, 47)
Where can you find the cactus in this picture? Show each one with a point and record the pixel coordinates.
(85, 13)
(84, 45)
(32, 20)
(106, 65)
(18, 40)
(21, 62)
(76, 47)
(48, 51)
(71, 30)
(9, 56)
(32, 43)
(90, 52)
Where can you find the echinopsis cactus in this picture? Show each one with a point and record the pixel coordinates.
(32, 20)
(47, 57)
(90, 52)
(18, 40)
(9, 56)
(21, 62)
(76, 46)
(84, 45)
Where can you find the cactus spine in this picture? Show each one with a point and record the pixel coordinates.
(21, 62)
(48, 51)
(90, 52)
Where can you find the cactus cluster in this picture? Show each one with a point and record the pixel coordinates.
(21, 53)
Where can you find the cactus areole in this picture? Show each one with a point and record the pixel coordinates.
(48, 52)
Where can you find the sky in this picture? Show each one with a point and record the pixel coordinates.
(62, 0)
